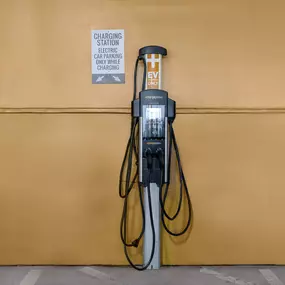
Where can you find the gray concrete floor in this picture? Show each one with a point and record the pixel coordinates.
(180, 275)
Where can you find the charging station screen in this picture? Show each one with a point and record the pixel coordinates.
(153, 121)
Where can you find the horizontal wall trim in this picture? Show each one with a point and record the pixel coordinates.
(183, 110)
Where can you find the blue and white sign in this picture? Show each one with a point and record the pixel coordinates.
(108, 58)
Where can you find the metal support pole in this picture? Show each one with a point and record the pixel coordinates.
(153, 81)
(154, 192)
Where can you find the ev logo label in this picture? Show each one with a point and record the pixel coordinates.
(152, 74)
(153, 71)
(153, 78)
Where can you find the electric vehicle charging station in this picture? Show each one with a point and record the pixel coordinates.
(150, 148)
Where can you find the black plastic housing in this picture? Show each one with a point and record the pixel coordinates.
(137, 103)
(153, 50)
(155, 146)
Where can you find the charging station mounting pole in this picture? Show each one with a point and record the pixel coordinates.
(153, 81)
(153, 114)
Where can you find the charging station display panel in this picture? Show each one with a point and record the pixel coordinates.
(153, 122)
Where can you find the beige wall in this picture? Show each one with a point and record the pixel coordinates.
(59, 172)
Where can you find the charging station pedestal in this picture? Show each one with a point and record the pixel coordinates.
(150, 143)
(153, 59)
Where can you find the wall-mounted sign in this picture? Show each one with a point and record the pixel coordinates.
(108, 58)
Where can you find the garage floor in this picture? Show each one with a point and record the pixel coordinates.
(95, 275)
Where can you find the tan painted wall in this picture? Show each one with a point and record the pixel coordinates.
(221, 53)
(58, 192)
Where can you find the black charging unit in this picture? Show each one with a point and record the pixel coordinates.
(149, 152)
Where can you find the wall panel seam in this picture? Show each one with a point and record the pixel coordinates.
(180, 110)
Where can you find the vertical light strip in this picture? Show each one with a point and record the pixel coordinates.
(140, 148)
(160, 72)
(146, 80)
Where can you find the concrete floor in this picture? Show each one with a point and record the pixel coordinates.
(96, 275)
